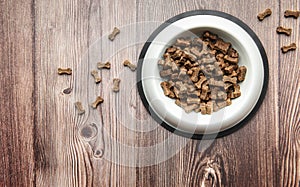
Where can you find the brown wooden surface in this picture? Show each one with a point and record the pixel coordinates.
(40, 132)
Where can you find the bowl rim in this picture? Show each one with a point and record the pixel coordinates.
(193, 13)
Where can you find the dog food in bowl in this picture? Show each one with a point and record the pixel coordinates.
(202, 73)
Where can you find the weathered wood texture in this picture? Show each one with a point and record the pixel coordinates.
(17, 93)
(44, 142)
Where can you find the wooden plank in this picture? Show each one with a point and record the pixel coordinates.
(66, 30)
(112, 166)
(250, 145)
(61, 39)
(289, 100)
(17, 92)
(227, 158)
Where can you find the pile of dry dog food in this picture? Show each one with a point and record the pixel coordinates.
(201, 74)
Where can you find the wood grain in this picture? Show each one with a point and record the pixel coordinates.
(289, 102)
(17, 91)
(44, 142)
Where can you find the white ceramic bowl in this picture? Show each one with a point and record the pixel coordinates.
(228, 119)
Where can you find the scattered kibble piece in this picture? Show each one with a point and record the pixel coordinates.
(80, 108)
(282, 30)
(292, 13)
(116, 85)
(201, 74)
(98, 101)
(261, 16)
(114, 33)
(288, 48)
(130, 65)
(102, 65)
(64, 71)
(96, 76)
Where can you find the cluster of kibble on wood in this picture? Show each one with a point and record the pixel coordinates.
(282, 30)
(97, 78)
(202, 74)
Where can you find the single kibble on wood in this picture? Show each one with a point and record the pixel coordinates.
(201, 74)
(102, 65)
(96, 76)
(97, 102)
(128, 64)
(288, 48)
(292, 13)
(114, 33)
(261, 16)
(79, 107)
(116, 85)
(282, 30)
(64, 71)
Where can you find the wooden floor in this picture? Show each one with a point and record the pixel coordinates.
(43, 142)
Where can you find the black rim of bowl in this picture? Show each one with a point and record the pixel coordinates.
(195, 135)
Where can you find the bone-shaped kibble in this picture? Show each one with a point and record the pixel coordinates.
(166, 73)
(190, 108)
(282, 30)
(64, 71)
(98, 101)
(114, 33)
(261, 16)
(180, 103)
(218, 94)
(236, 93)
(230, 59)
(102, 65)
(292, 13)
(242, 73)
(96, 76)
(200, 82)
(116, 85)
(130, 65)
(182, 42)
(232, 80)
(80, 108)
(193, 100)
(210, 35)
(195, 74)
(288, 48)
(166, 88)
(206, 108)
(203, 108)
